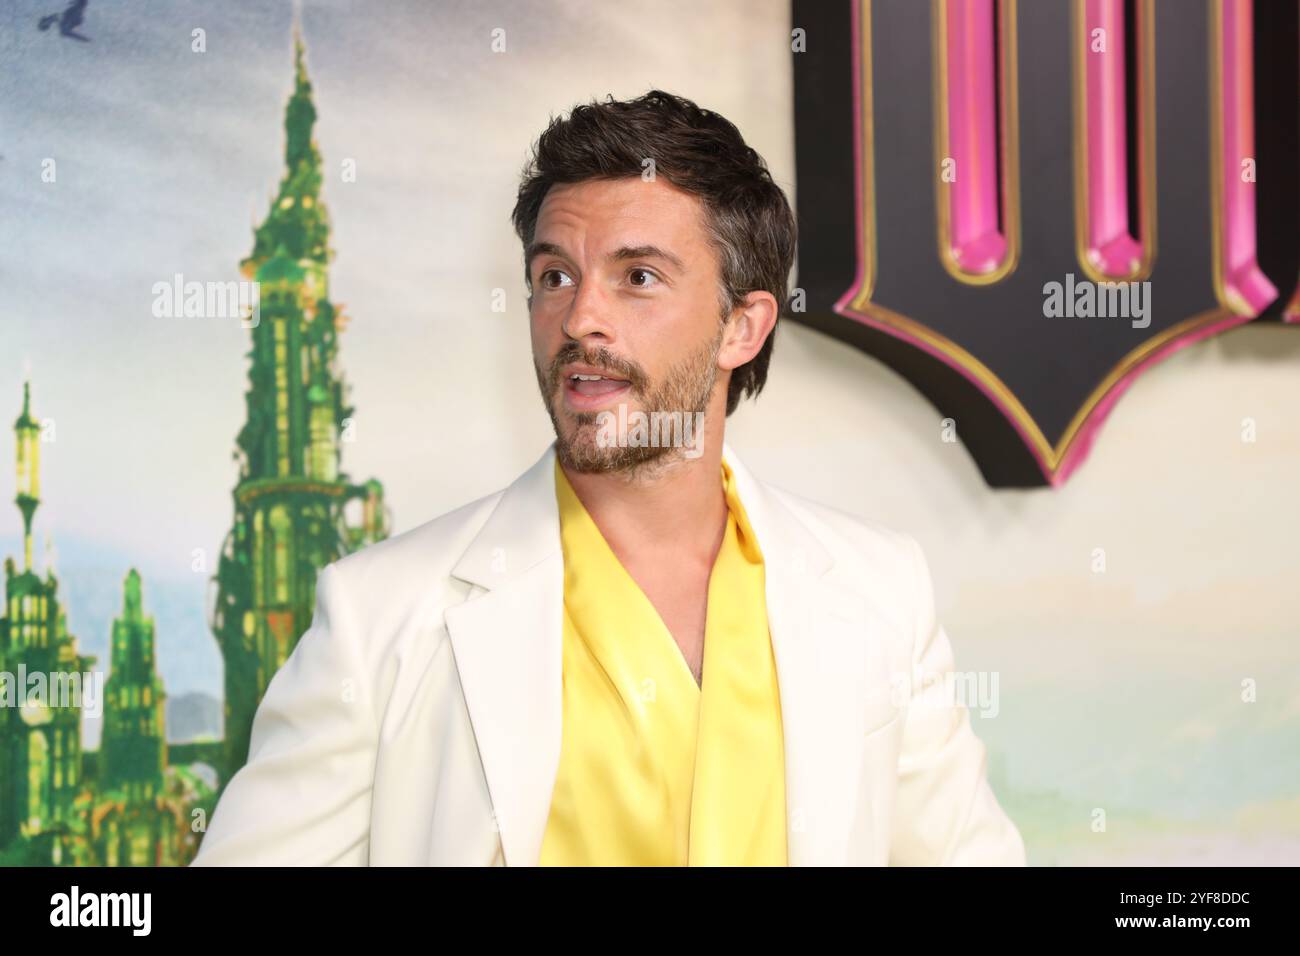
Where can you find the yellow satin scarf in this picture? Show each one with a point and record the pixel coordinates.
(656, 770)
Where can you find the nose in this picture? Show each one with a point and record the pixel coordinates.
(588, 314)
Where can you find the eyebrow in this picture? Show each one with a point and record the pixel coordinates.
(618, 255)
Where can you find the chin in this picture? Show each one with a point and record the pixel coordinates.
(579, 451)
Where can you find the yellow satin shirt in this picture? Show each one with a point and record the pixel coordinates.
(656, 770)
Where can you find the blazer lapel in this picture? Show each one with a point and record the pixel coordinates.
(818, 629)
(507, 640)
(508, 650)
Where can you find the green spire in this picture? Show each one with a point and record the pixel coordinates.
(131, 595)
(28, 460)
(300, 116)
(25, 419)
(297, 219)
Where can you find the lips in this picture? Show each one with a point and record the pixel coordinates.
(600, 386)
(587, 388)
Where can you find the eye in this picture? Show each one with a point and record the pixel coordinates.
(643, 272)
(545, 277)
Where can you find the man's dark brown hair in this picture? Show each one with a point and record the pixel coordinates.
(748, 217)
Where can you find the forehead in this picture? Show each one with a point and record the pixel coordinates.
(627, 211)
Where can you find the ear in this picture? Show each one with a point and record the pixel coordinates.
(748, 327)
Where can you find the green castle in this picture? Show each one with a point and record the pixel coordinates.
(295, 511)
(139, 801)
(59, 805)
(40, 744)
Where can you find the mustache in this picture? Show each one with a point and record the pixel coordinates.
(601, 358)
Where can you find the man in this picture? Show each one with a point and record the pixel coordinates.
(637, 653)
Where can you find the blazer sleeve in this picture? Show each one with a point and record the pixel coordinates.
(303, 798)
(945, 812)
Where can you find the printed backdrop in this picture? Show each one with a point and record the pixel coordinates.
(182, 464)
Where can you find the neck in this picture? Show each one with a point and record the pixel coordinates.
(675, 504)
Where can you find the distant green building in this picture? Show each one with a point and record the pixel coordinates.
(60, 805)
(141, 811)
(133, 823)
(133, 752)
(40, 732)
(295, 511)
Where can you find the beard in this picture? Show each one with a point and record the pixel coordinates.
(685, 388)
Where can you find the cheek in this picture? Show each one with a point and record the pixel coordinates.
(700, 314)
(545, 318)
(539, 331)
(679, 329)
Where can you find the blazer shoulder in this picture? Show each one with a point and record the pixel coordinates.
(879, 562)
(849, 537)
(394, 579)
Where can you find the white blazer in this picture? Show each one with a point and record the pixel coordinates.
(417, 722)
